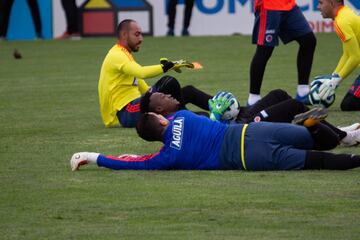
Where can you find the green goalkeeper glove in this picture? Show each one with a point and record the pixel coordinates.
(174, 65)
(219, 104)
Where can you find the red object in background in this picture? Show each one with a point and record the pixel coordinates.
(98, 23)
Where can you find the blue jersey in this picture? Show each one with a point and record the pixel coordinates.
(193, 142)
(190, 142)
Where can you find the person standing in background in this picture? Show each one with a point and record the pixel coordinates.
(71, 14)
(171, 10)
(5, 10)
(284, 19)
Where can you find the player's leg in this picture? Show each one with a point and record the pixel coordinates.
(276, 106)
(34, 8)
(195, 96)
(130, 114)
(189, 4)
(280, 112)
(325, 138)
(71, 15)
(294, 26)
(171, 11)
(5, 16)
(265, 36)
(330, 161)
(351, 101)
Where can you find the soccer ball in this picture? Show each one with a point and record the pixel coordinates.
(232, 112)
(314, 97)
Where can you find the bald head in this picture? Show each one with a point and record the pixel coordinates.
(129, 35)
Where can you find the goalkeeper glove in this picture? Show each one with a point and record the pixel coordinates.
(219, 104)
(175, 65)
(166, 64)
(180, 64)
(328, 87)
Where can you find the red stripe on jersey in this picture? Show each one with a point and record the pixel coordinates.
(133, 108)
(339, 32)
(141, 158)
(262, 26)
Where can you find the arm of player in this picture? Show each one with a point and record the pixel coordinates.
(156, 161)
(143, 87)
(350, 59)
(141, 72)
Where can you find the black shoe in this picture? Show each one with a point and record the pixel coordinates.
(170, 33)
(185, 32)
(311, 117)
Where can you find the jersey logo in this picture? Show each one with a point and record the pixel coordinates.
(135, 82)
(177, 133)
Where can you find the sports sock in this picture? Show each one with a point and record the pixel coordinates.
(92, 157)
(338, 131)
(330, 161)
(257, 67)
(305, 57)
(253, 98)
(324, 137)
(303, 90)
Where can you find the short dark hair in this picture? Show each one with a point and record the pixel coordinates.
(145, 102)
(124, 24)
(149, 128)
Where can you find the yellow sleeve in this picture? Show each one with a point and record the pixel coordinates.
(143, 87)
(350, 59)
(134, 69)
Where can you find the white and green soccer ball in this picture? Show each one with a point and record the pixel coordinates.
(314, 97)
(232, 112)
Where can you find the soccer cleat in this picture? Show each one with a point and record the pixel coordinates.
(352, 138)
(304, 99)
(350, 127)
(78, 159)
(311, 117)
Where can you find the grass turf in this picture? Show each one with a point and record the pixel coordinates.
(49, 110)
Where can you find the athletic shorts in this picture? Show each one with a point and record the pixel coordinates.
(355, 88)
(276, 146)
(271, 24)
(130, 114)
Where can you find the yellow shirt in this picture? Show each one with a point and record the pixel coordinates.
(121, 81)
(347, 27)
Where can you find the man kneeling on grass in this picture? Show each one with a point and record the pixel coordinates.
(193, 142)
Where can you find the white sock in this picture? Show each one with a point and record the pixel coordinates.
(303, 89)
(92, 157)
(253, 98)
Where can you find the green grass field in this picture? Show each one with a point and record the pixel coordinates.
(49, 110)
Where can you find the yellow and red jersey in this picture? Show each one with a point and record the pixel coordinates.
(279, 5)
(121, 81)
(347, 27)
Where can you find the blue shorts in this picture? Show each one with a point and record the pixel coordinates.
(276, 146)
(270, 25)
(130, 114)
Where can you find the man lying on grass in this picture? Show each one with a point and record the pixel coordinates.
(193, 142)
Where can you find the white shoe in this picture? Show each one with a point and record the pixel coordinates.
(78, 159)
(350, 127)
(352, 138)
